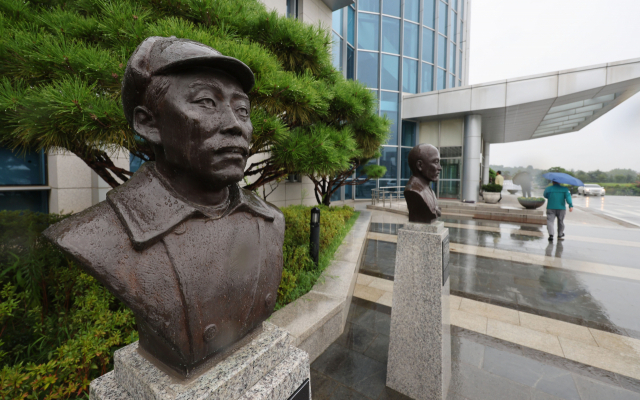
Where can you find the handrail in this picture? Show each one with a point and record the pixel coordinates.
(385, 193)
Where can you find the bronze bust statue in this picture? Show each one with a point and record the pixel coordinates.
(197, 258)
(424, 162)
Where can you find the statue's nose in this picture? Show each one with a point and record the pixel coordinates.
(230, 123)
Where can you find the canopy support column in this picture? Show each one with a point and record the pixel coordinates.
(486, 150)
(471, 158)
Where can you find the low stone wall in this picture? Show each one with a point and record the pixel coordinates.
(318, 318)
(482, 211)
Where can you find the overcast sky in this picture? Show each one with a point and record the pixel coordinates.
(512, 38)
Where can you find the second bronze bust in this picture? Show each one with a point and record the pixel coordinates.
(424, 161)
(197, 258)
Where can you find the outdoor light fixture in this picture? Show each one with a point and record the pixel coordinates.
(314, 236)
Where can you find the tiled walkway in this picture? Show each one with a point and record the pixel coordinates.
(528, 320)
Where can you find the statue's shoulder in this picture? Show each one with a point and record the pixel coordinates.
(96, 228)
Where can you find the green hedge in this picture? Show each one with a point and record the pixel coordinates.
(59, 327)
(492, 188)
(299, 273)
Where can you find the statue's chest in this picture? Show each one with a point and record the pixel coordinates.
(217, 264)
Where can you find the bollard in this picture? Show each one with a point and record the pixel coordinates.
(314, 236)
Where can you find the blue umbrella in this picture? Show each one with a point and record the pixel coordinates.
(561, 177)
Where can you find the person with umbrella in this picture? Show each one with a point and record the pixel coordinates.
(557, 196)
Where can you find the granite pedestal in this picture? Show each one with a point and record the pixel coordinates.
(265, 366)
(419, 363)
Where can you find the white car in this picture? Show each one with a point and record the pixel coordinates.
(591, 190)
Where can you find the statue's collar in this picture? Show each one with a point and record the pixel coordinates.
(148, 209)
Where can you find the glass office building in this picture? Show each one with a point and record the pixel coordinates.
(396, 47)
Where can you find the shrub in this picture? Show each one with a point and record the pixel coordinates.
(492, 188)
(299, 272)
(59, 326)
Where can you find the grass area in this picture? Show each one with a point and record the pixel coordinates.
(307, 274)
(612, 184)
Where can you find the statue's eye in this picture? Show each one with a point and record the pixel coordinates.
(206, 102)
(243, 112)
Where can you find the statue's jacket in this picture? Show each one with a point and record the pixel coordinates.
(195, 283)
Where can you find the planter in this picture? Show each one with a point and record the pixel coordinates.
(491, 197)
(530, 204)
(512, 191)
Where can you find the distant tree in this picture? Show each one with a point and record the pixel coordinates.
(619, 178)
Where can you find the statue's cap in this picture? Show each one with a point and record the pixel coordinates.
(158, 55)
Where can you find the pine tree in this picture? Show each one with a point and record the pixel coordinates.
(62, 61)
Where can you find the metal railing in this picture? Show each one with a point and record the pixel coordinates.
(386, 195)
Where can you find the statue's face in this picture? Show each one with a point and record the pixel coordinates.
(204, 125)
(429, 164)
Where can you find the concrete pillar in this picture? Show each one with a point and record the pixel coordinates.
(471, 157)
(486, 150)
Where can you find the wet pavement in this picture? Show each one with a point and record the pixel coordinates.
(626, 208)
(484, 367)
(593, 300)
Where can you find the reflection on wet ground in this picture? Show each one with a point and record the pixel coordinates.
(483, 367)
(597, 301)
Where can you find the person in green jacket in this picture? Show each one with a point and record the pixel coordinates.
(556, 196)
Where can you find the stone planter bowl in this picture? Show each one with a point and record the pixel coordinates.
(491, 197)
(512, 191)
(530, 204)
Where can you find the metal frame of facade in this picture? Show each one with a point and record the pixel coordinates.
(460, 73)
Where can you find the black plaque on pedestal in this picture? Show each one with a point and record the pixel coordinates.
(303, 392)
(445, 260)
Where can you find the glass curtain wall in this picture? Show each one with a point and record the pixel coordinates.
(396, 46)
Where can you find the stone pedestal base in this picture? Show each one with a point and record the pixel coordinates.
(419, 363)
(266, 367)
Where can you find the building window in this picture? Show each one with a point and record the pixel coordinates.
(429, 13)
(442, 79)
(409, 137)
(292, 8)
(22, 169)
(410, 40)
(337, 51)
(351, 25)
(442, 18)
(32, 200)
(390, 72)
(294, 178)
(442, 51)
(389, 106)
(368, 29)
(391, 35)
(368, 68)
(409, 75)
(369, 5)
(427, 77)
(427, 45)
(20, 175)
(412, 10)
(391, 7)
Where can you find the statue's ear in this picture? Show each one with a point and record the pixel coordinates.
(145, 125)
(419, 165)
